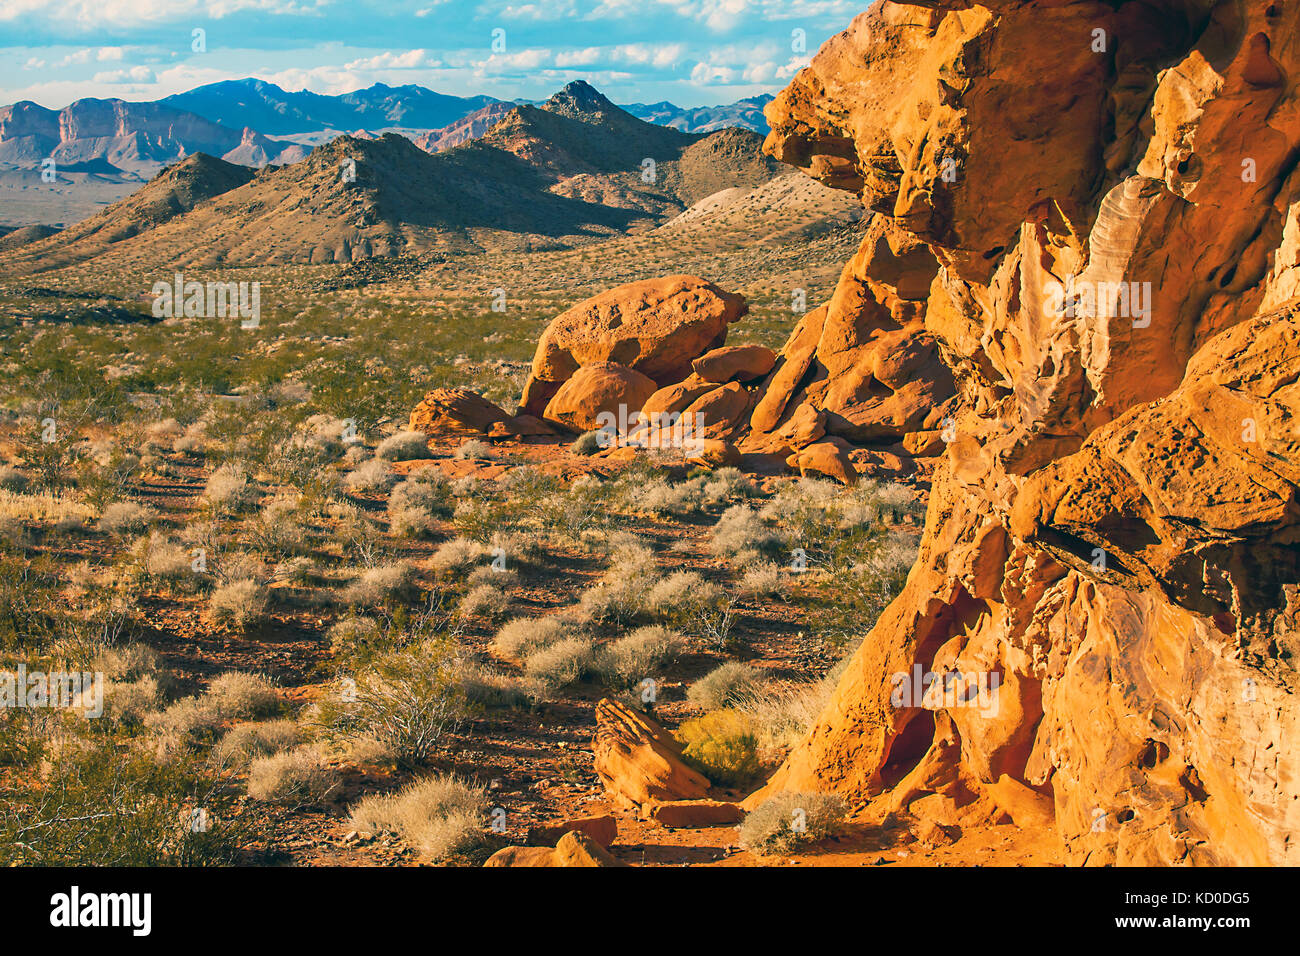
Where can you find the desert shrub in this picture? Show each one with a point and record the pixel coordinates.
(103, 805)
(784, 821)
(404, 446)
(131, 701)
(724, 685)
(659, 496)
(298, 777)
(415, 505)
(277, 529)
(229, 489)
(245, 742)
(160, 557)
(588, 443)
(743, 537)
(762, 580)
(125, 517)
(457, 554)
(487, 575)
(239, 603)
(629, 660)
(483, 601)
(376, 474)
(355, 637)
(377, 585)
(232, 696)
(408, 700)
(722, 746)
(439, 816)
(488, 687)
(561, 664)
(726, 484)
(240, 694)
(521, 636)
(12, 479)
(782, 714)
(474, 448)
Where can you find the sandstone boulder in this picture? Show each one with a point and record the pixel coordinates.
(735, 363)
(456, 411)
(595, 389)
(655, 326)
(638, 761)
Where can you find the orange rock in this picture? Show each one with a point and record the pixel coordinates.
(735, 363)
(693, 814)
(712, 453)
(593, 390)
(829, 458)
(1113, 525)
(573, 849)
(655, 326)
(638, 761)
(1026, 807)
(603, 830)
(674, 399)
(718, 412)
(456, 411)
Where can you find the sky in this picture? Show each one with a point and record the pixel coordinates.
(691, 52)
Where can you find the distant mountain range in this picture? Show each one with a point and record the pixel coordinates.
(574, 169)
(746, 113)
(255, 123)
(275, 112)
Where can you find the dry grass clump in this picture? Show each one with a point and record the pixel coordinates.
(660, 496)
(415, 505)
(244, 743)
(298, 777)
(724, 685)
(230, 489)
(239, 603)
(743, 537)
(474, 448)
(489, 687)
(721, 745)
(354, 636)
(126, 517)
(379, 584)
(12, 479)
(375, 474)
(781, 823)
(562, 664)
(764, 579)
(278, 527)
(439, 816)
(484, 601)
(404, 446)
(782, 713)
(631, 659)
(588, 443)
(232, 696)
(520, 637)
(458, 554)
(160, 557)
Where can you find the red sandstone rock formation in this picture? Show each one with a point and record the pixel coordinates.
(1090, 214)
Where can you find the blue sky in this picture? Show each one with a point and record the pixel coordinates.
(693, 52)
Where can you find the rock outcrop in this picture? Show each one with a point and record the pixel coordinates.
(863, 370)
(1089, 214)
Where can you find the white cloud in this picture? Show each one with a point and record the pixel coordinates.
(136, 74)
(92, 14)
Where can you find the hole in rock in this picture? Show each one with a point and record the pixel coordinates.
(908, 748)
(1153, 752)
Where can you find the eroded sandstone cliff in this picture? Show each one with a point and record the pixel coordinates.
(1093, 211)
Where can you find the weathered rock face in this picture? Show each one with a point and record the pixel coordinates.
(1105, 202)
